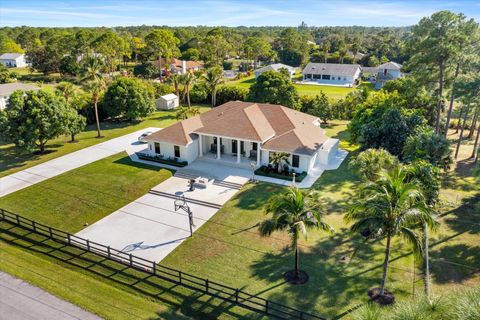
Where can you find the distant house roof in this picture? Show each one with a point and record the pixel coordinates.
(10, 56)
(369, 69)
(331, 68)
(8, 88)
(390, 66)
(357, 55)
(169, 97)
(178, 63)
(279, 128)
(275, 67)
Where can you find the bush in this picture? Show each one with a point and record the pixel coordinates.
(162, 89)
(198, 93)
(429, 146)
(269, 171)
(161, 159)
(227, 65)
(146, 70)
(231, 93)
(129, 98)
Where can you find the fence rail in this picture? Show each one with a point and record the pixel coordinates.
(233, 295)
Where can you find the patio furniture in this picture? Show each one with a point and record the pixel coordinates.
(253, 154)
(201, 183)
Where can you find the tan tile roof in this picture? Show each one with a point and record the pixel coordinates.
(178, 63)
(277, 127)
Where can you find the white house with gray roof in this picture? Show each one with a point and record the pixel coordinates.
(275, 67)
(345, 75)
(7, 89)
(388, 71)
(13, 60)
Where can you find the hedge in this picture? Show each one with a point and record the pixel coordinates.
(298, 177)
(160, 159)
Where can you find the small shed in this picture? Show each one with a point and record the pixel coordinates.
(167, 102)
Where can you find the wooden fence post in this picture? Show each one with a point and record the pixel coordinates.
(206, 285)
(131, 260)
(236, 295)
(266, 306)
(180, 276)
(108, 252)
(2, 212)
(50, 232)
(68, 239)
(88, 245)
(154, 267)
(33, 226)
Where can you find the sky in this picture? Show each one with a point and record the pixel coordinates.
(93, 13)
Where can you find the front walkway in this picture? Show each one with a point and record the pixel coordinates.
(22, 301)
(57, 166)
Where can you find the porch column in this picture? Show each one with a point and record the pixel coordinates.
(238, 151)
(200, 145)
(218, 148)
(258, 154)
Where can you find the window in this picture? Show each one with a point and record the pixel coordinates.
(295, 161)
(157, 147)
(333, 78)
(325, 77)
(254, 146)
(344, 78)
(316, 76)
(176, 150)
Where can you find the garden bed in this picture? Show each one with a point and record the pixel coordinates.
(161, 159)
(262, 171)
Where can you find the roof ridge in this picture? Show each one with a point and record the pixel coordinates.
(250, 120)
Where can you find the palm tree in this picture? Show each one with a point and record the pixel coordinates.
(295, 211)
(213, 78)
(185, 112)
(92, 69)
(95, 88)
(188, 79)
(279, 160)
(427, 177)
(66, 90)
(175, 80)
(371, 162)
(390, 206)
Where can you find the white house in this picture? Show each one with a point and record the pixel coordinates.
(7, 89)
(388, 71)
(244, 132)
(13, 60)
(275, 67)
(332, 73)
(167, 102)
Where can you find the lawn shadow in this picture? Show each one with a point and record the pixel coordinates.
(14, 157)
(463, 263)
(465, 218)
(193, 304)
(255, 197)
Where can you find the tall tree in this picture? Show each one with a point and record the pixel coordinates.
(111, 47)
(256, 47)
(294, 211)
(161, 43)
(65, 90)
(275, 87)
(188, 80)
(213, 78)
(96, 87)
(434, 41)
(388, 207)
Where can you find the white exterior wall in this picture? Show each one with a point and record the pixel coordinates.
(3, 102)
(339, 80)
(12, 63)
(328, 151)
(163, 104)
(187, 153)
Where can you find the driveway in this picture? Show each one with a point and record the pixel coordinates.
(22, 301)
(55, 167)
(150, 228)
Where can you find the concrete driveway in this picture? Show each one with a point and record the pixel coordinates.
(150, 228)
(55, 167)
(22, 301)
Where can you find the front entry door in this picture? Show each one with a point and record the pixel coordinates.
(157, 148)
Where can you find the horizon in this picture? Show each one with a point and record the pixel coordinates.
(229, 13)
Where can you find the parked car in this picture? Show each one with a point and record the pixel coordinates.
(143, 136)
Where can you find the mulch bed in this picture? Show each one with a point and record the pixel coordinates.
(291, 278)
(385, 299)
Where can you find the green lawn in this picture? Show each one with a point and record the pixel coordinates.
(12, 159)
(228, 247)
(303, 89)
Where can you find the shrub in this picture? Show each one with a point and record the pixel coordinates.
(227, 65)
(198, 93)
(231, 93)
(429, 146)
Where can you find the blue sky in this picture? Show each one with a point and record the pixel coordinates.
(89, 13)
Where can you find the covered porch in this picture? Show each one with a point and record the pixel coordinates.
(229, 149)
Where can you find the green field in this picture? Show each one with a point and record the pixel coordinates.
(303, 89)
(13, 159)
(229, 249)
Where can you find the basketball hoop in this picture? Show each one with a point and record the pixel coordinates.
(181, 203)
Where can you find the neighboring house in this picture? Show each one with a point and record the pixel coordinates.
(387, 71)
(332, 73)
(370, 73)
(179, 66)
(245, 132)
(7, 89)
(275, 67)
(13, 60)
(357, 56)
(167, 102)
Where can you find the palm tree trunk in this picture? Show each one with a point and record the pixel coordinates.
(461, 131)
(426, 280)
(214, 98)
(188, 96)
(475, 146)
(439, 107)
(452, 98)
(385, 266)
(297, 263)
(99, 135)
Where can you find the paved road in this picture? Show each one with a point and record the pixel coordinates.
(22, 301)
(54, 167)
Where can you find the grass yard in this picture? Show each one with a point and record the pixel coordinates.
(86, 194)
(13, 159)
(303, 89)
(238, 256)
